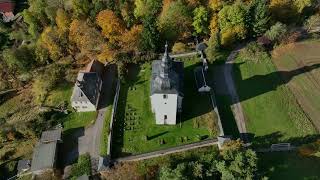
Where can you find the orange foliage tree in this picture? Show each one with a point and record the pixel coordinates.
(111, 25)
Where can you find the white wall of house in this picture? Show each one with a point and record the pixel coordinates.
(83, 106)
(165, 108)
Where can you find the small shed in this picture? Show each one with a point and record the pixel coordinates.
(44, 157)
(51, 136)
(200, 79)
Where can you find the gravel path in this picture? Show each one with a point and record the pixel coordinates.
(236, 105)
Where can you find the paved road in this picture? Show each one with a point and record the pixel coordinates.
(184, 54)
(168, 151)
(236, 105)
(90, 142)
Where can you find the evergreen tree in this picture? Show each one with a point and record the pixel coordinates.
(260, 17)
(150, 35)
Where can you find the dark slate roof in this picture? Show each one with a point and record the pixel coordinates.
(86, 87)
(44, 156)
(95, 66)
(51, 136)
(23, 165)
(201, 46)
(175, 78)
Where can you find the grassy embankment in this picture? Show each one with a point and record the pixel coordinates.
(135, 128)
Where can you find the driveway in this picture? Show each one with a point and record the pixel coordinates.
(232, 91)
(90, 142)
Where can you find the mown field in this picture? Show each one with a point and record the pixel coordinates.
(135, 130)
(299, 65)
(271, 110)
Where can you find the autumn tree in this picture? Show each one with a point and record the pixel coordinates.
(111, 25)
(131, 39)
(87, 38)
(176, 21)
(62, 20)
(200, 20)
(81, 8)
(50, 40)
(146, 7)
(233, 22)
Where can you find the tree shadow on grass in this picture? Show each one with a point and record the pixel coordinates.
(157, 135)
(108, 86)
(278, 137)
(119, 123)
(194, 104)
(260, 84)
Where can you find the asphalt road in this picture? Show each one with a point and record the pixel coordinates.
(90, 142)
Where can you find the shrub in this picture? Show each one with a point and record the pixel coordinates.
(82, 167)
(291, 38)
(179, 47)
(276, 32)
(312, 24)
(254, 52)
(45, 82)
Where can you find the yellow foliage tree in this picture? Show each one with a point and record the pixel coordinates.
(87, 38)
(111, 25)
(214, 24)
(107, 54)
(216, 5)
(179, 47)
(130, 39)
(62, 20)
(49, 39)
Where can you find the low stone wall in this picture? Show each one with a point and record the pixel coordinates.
(215, 109)
(113, 116)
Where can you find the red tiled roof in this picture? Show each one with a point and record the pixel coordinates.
(6, 6)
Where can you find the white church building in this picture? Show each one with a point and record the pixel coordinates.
(166, 89)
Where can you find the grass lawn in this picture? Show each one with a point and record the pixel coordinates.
(289, 165)
(300, 66)
(135, 128)
(62, 93)
(269, 106)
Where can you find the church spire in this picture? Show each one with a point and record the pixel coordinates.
(165, 63)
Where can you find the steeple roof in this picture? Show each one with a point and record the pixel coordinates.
(166, 75)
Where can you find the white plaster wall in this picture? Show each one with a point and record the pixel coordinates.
(162, 107)
(83, 106)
